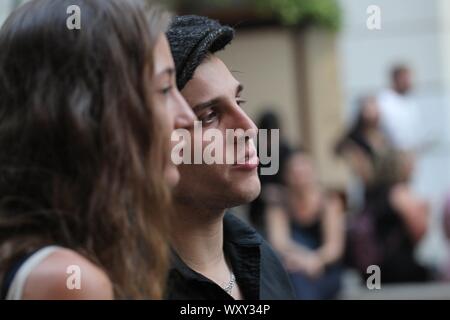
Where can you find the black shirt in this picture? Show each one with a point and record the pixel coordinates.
(257, 269)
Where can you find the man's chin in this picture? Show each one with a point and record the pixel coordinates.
(250, 189)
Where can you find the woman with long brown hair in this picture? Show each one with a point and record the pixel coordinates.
(85, 118)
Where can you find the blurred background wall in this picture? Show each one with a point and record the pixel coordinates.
(5, 7)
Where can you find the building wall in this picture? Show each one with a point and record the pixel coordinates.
(444, 16)
(5, 8)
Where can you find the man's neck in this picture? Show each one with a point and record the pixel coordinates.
(400, 92)
(197, 237)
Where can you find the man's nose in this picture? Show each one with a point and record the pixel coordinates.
(242, 121)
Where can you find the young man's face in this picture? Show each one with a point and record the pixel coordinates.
(215, 97)
(403, 81)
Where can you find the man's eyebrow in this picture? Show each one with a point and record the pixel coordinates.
(239, 89)
(213, 102)
(199, 107)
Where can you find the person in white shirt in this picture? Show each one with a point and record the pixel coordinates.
(399, 112)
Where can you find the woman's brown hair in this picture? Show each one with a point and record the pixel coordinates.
(82, 148)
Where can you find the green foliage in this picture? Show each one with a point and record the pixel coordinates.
(324, 13)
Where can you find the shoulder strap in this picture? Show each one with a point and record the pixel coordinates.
(17, 284)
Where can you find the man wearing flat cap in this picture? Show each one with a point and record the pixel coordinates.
(216, 255)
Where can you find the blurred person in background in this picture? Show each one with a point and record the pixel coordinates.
(391, 224)
(366, 132)
(306, 225)
(361, 145)
(399, 113)
(85, 166)
(269, 121)
(445, 269)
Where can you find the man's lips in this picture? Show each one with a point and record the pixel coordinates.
(250, 161)
(250, 165)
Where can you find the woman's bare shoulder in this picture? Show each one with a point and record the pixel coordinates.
(67, 275)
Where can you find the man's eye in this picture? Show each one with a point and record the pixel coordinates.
(208, 118)
(241, 102)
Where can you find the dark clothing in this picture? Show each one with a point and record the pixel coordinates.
(379, 236)
(11, 273)
(397, 248)
(258, 271)
(361, 141)
(309, 236)
(326, 286)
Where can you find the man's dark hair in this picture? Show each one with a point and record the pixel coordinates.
(192, 38)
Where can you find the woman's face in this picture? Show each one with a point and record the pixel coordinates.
(166, 96)
(300, 171)
(370, 113)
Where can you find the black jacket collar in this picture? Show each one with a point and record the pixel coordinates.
(242, 248)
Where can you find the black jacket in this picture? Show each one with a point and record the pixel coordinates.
(258, 270)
